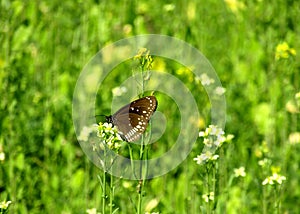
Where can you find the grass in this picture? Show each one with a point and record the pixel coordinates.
(44, 47)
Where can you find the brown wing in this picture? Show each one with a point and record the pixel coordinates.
(132, 119)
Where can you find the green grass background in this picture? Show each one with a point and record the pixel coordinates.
(44, 46)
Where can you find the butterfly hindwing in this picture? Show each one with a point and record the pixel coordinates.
(132, 119)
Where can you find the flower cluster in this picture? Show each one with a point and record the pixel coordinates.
(145, 58)
(283, 51)
(205, 157)
(109, 135)
(273, 179)
(205, 79)
(213, 138)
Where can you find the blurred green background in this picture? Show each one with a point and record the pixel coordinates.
(254, 48)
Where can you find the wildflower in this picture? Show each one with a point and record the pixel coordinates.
(263, 162)
(208, 196)
(229, 137)
(109, 134)
(275, 169)
(214, 130)
(268, 180)
(261, 150)
(211, 130)
(144, 57)
(234, 5)
(205, 157)
(204, 79)
(291, 107)
(294, 138)
(119, 91)
(203, 134)
(275, 177)
(220, 90)
(140, 53)
(4, 205)
(184, 71)
(240, 172)
(220, 140)
(92, 211)
(85, 132)
(278, 178)
(214, 137)
(283, 51)
(2, 156)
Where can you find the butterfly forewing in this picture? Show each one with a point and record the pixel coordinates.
(132, 119)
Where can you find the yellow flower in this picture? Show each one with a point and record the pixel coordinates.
(234, 5)
(283, 51)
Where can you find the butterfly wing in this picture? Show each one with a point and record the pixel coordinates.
(132, 119)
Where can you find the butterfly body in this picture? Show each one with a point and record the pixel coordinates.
(132, 120)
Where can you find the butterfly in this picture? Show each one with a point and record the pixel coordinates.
(132, 120)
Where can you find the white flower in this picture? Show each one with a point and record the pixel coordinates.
(274, 178)
(205, 80)
(92, 211)
(119, 91)
(240, 172)
(4, 204)
(85, 132)
(278, 178)
(220, 90)
(2, 156)
(204, 157)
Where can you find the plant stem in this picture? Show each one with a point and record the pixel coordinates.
(111, 197)
(140, 189)
(104, 191)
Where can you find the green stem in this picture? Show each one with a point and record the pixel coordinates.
(276, 201)
(131, 160)
(141, 182)
(104, 191)
(111, 196)
(208, 187)
(139, 210)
